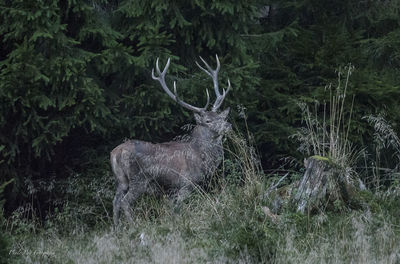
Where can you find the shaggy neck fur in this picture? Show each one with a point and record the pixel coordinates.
(210, 145)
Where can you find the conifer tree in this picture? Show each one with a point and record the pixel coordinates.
(77, 74)
(300, 45)
(55, 59)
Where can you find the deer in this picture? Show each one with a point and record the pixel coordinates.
(177, 167)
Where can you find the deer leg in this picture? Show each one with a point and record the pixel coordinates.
(131, 196)
(125, 203)
(183, 193)
(121, 190)
(122, 185)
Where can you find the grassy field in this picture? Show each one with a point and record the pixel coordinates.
(227, 225)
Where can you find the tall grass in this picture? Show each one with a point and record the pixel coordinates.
(236, 232)
(4, 238)
(383, 168)
(360, 237)
(327, 134)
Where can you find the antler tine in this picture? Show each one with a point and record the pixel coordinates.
(166, 67)
(220, 100)
(198, 65)
(174, 96)
(214, 75)
(157, 67)
(161, 75)
(229, 87)
(218, 64)
(208, 99)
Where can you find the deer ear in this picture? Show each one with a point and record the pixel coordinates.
(197, 118)
(225, 113)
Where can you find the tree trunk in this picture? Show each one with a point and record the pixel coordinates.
(323, 184)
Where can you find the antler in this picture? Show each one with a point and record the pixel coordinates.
(214, 75)
(174, 96)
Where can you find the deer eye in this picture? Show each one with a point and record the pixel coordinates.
(208, 121)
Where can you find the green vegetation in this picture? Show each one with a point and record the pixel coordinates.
(228, 224)
(75, 81)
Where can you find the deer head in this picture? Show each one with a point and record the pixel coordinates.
(214, 121)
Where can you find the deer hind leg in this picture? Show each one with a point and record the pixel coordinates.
(136, 189)
(122, 185)
(121, 191)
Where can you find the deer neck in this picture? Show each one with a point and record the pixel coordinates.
(207, 141)
(209, 145)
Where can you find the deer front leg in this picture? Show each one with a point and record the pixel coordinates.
(183, 193)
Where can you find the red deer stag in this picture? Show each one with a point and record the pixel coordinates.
(142, 167)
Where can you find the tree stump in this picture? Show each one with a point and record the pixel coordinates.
(324, 183)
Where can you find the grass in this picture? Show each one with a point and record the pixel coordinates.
(359, 237)
(327, 126)
(227, 224)
(227, 227)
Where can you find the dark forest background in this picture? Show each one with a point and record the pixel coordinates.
(76, 76)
